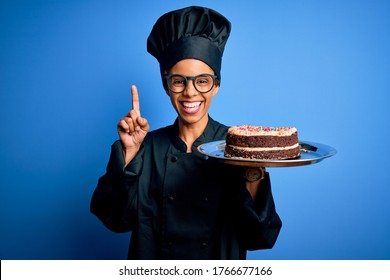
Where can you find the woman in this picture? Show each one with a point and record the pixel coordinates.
(177, 203)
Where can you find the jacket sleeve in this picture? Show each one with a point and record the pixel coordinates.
(115, 198)
(261, 223)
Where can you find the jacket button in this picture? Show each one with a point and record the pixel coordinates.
(205, 199)
(170, 199)
(174, 159)
(203, 245)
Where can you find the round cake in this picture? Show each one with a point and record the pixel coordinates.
(260, 142)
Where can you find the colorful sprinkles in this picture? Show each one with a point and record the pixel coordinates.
(254, 128)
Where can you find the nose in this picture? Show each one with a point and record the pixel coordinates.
(190, 89)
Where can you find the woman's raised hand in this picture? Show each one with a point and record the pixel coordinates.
(132, 128)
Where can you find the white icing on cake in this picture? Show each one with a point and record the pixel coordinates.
(261, 149)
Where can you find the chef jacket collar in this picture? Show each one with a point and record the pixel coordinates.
(205, 137)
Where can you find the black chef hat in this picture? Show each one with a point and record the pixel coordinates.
(192, 32)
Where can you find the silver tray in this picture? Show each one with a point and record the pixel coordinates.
(310, 153)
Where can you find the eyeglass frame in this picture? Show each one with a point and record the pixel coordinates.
(191, 78)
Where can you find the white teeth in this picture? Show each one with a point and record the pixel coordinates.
(191, 104)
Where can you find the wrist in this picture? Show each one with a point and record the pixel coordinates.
(129, 154)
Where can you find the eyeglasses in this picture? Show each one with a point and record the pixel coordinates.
(203, 83)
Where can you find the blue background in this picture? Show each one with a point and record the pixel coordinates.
(66, 69)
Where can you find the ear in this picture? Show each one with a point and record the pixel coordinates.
(216, 89)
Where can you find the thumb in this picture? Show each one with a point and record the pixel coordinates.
(143, 123)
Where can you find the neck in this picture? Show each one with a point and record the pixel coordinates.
(190, 132)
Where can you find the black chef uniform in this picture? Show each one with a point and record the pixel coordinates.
(182, 205)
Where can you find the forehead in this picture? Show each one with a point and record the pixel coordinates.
(190, 67)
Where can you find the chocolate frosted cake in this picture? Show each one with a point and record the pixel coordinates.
(259, 142)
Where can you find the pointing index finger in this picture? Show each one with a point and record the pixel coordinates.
(135, 99)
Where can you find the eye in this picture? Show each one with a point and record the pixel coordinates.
(177, 81)
(203, 81)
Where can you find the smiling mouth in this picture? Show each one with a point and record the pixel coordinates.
(191, 107)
